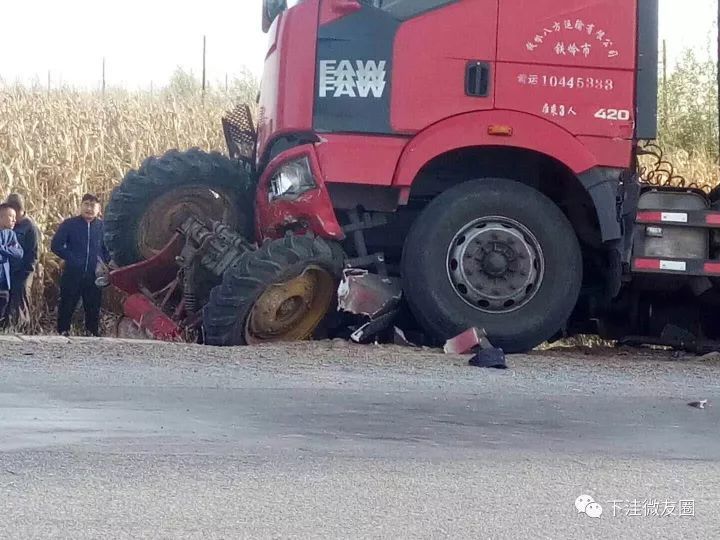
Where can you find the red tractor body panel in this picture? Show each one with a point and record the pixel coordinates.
(382, 91)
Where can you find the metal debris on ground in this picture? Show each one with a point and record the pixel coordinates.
(373, 298)
(372, 328)
(700, 404)
(399, 338)
(370, 295)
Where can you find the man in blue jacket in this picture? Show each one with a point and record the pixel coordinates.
(9, 249)
(79, 242)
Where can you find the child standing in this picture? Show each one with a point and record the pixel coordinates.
(9, 249)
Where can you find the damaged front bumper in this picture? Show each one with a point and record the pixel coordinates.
(292, 196)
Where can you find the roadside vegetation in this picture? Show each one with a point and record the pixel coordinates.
(57, 145)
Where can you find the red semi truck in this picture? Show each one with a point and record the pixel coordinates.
(482, 153)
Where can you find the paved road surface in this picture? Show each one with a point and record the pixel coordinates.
(116, 440)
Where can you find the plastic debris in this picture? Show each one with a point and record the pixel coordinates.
(489, 358)
(467, 342)
(700, 404)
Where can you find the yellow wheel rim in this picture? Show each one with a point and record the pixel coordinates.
(292, 310)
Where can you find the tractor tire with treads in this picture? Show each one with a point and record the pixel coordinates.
(281, 292)
(147, 207)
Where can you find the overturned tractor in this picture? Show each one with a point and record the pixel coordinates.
(180, 228)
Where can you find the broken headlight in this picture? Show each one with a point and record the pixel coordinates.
(291, 180)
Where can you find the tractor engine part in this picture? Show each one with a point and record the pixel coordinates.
(214, 247)
(210, 249)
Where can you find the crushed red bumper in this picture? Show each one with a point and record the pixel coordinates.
(310, 211)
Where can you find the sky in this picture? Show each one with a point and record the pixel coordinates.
(144, 41)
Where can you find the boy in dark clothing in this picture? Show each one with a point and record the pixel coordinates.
(21, 271)
(9, 249)
(79, 242)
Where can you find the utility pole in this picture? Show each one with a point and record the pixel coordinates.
(664, 88)
(103, 77)
(204, 64)
(48, 82)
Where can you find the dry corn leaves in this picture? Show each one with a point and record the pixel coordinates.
(56, 146)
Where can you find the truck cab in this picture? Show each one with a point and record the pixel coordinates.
(380, 107)
(383, 90)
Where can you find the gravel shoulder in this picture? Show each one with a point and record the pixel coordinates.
(626, 372)
(114, 439)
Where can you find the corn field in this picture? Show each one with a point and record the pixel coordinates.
(55, 146)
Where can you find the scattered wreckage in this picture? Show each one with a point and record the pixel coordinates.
(163, 293)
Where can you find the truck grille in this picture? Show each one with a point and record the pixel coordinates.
(240, 133)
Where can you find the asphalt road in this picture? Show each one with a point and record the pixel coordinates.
(110, 440)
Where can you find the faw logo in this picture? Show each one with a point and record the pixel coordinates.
(355, 79)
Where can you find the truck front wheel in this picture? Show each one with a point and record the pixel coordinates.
(494, 254)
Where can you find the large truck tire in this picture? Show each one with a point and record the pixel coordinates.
(152, 202)
(493, 254)
(281, 292)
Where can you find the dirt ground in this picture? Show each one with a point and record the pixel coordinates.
(338, 353)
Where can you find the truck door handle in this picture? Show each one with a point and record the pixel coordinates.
(477, 79)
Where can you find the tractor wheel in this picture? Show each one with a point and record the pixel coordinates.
(493, 254)
(151, 203)
(281, 292)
